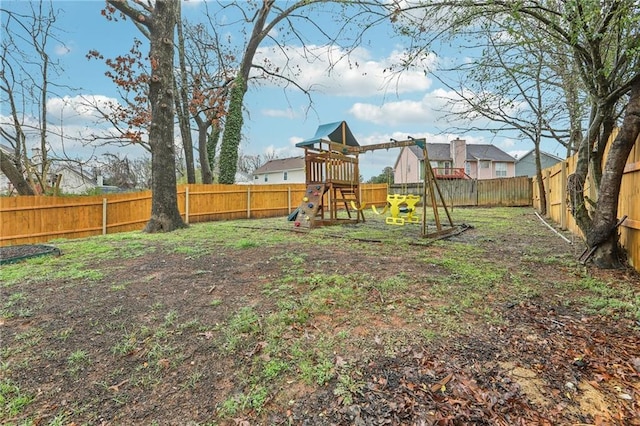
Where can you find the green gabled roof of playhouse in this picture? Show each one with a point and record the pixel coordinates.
(337, 132)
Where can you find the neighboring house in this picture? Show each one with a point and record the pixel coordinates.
(456, 160)
(73, 180)
(243, 178)
(526, 165)
(281, 170)
(5, 184)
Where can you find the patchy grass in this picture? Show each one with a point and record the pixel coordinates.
(226, 322)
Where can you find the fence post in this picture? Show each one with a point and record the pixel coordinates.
(186, 204)
(248, 202)
(289, 199)
(104, 216)
(563, 192)
(547, 190)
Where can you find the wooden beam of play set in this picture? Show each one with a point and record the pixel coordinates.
(347, 149)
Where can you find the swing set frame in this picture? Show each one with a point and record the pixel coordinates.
(334, 166)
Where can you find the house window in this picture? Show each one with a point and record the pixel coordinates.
(485, 164)
(445, 166)
(501, 169)
(467, 168)
(256, 177)
(284, 176)
(266, 178)
(441, 168)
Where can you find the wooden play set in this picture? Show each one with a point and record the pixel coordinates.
(333, 183)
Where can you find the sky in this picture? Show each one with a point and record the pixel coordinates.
(358, 90)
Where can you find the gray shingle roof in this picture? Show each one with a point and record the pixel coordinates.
(281, 164)
(442, 152)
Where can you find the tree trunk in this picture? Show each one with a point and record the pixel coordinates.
(232, 133)
(165, 215)
(15, 177)
(205, 167)
(212, 145)
(233, 128)
(182, 103)
(603, 233)
(541, 189)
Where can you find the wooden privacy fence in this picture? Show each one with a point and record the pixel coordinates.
(510, 192)
(559, 209)
(26, 220)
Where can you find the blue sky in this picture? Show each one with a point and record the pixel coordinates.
(375, 107)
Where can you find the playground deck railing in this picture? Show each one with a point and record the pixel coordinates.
(329, 167)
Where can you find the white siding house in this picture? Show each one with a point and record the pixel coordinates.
(281, 170)
(73, 180)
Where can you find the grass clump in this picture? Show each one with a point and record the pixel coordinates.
(12, 399)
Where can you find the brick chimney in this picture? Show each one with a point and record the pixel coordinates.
(458, 152)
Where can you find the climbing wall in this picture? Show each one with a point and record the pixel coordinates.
(310, 206)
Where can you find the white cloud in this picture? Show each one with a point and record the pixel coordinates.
(79, 109)
(62, 49)
(294, 140)
(334, 71)
(280, 113)
(508, 143)
(434, 109)
(426, 110)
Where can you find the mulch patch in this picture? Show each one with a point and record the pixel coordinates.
(548, 368)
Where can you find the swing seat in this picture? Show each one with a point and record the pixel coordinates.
(375, 210)
(355, 207)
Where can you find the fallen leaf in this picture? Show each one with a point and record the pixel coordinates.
(441, 384)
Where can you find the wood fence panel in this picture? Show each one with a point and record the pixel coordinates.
(508, 192)
(270, 201)
(31, 219)
(373, 194)
(128, 212)
(512, 192)
(27, 220)
(554, 193)
(628, 204)
(459, 192)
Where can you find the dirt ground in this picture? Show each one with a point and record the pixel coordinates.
(144, 343)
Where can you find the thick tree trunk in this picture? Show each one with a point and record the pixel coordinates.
(576, 181)
(603, 233)
(233, 129)
(232, 133)
(182, 103)
(165, 215)
(15, 177)
(185, 132)
(541, 189)
(212, 145)
(205, 167)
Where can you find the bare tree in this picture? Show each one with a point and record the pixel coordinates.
(157, 21)
(25, 84)
(512, 86)
(182, 101)
(601, 38)
(289, 18)
(118, 171)
(212, 68)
